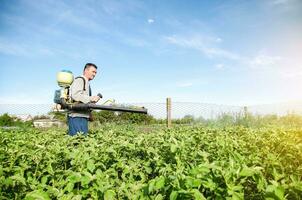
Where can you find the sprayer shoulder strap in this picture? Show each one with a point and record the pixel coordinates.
(84, 85)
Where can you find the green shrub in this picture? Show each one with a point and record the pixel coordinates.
(136, 118)
(104, 116)
(6, 120)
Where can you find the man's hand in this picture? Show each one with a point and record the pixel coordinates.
(90, 117)
(95, 99)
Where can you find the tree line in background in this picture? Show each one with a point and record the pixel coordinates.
(223, 120)
(240, 119)
(8, 120)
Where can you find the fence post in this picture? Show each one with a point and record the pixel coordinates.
(168, 105)
(245, 112)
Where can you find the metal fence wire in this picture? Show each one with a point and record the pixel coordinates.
(178, 109)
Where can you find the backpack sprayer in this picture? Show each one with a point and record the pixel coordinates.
(64, 101)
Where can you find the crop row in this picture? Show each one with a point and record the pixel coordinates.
(128, 162)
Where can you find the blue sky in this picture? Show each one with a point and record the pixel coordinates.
(225, 52)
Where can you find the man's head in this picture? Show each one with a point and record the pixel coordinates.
(90, 71)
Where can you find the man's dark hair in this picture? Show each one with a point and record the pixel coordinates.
(90, 65)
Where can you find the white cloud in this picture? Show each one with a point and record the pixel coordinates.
(23, 49)
(285, 67)
(286, 5)
(185, 84)
(137, 42)
(150, 21)
(79, 20)
(120, 8)
(291, 75)
(189, 82)
(91, 15)
(278, 2)
(12, 49)
(205, 45)
(23, 98)
(263, 60)
(219, 66)
(217, 52)
(218, 40)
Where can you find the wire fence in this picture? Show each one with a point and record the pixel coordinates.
(178, 109)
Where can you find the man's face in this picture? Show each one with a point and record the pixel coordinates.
(90, 73)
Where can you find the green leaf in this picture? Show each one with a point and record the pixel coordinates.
(237, 196)
(275, 192)
(69, 187)
(90, 165)
(85, 180)
(247, 172)
(279, 192)
(208, 183)
(75, 177)
(49, 169)
(173, 148)
(18, 178)
(192, 182)
(151, 186)
(173, 195)
(201, 169)
(37, 195)
(77, 197)
(109, 195)
(148, 169)
(160, 183)
(197, 195)
(159, 197)
(44, 180)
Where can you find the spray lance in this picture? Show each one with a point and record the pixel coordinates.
(64, 101)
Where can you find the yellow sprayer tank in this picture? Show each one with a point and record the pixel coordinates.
(64, 78)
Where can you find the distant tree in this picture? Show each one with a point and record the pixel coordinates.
(58, 115)
(104, 116)
(6, 120)
(201, 120)
(226, 119)
(41, 117)
(136, 118)
(291, 119)
(187, 119)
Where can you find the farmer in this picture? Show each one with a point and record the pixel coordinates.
(80, 92)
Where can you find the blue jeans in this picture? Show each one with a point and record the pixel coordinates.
(77, 125)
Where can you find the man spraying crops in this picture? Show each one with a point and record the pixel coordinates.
(80, 91)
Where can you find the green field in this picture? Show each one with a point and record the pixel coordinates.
(149, 162)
